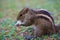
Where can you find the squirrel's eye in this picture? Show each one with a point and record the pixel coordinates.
(21, 15)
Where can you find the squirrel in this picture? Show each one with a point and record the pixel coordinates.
(40, 21)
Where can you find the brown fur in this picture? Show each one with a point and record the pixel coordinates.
(42, 25)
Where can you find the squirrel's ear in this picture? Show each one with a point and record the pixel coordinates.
(24, 10)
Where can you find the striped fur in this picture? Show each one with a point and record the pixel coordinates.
(38, 18)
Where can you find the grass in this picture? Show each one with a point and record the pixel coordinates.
(10, 32)
(9, 10)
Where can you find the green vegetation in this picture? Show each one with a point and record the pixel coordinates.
(9, 10)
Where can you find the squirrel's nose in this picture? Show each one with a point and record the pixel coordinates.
(17, 25)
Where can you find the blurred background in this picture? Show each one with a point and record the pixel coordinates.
(9, 10)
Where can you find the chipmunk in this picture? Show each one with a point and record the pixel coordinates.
(40, 21)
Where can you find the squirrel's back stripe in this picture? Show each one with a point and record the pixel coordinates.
(46, 16)
(44, 12)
